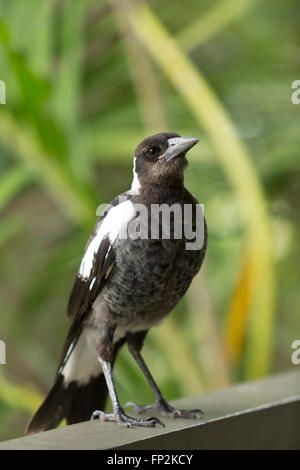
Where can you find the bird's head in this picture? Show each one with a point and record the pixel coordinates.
(160, 159)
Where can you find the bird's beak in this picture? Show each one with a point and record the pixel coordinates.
(179, 145)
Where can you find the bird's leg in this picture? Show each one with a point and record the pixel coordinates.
(105, 356)
(135, 342)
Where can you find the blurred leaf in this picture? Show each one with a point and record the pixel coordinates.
(11, 183)
(70, 198)
(34, 91)
(65, 99)
(41, 35)
(10, 227)
(19, 396)
(239, 309)
(180, 355)
(212, 22)
(207, 335)
(143, 75)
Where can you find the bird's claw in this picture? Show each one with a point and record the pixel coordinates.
(126, 421)
(165, 409)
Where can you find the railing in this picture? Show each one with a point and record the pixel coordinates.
(264, 414)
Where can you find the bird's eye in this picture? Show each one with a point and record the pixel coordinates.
(151, 153)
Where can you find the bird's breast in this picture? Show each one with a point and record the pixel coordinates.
(148, 278)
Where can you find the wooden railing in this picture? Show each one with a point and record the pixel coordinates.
(263, 414)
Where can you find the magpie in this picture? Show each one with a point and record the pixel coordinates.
(124, 286)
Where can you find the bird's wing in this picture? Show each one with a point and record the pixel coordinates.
(96, 264)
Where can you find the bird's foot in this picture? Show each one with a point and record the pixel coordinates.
(165, 409)
(126, 421)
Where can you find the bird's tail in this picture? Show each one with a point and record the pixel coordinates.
(79, 388)
(74, 402)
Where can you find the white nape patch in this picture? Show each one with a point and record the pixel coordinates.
(115, 222)
(136, 185)
(83, 362)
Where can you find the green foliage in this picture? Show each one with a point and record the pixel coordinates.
(86, 81)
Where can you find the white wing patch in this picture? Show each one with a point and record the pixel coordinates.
(114, 223)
